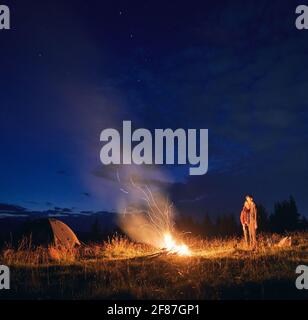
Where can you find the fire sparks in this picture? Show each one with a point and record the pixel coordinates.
(154, 223)
(172, 247)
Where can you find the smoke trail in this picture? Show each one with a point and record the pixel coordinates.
(149, 218)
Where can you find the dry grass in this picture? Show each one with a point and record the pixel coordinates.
(119, 268)
(119, 247)
(27, 255)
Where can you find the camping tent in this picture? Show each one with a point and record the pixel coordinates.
(46, 232)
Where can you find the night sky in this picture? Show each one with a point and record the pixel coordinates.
(70, 69)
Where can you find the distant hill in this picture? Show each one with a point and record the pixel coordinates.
(12, 221)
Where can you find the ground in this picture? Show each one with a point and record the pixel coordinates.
(121, 269)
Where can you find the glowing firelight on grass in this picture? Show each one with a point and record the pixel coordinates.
(172, 247)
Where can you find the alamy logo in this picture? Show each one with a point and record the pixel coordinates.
(4, 17)
(301, 21)
(165, 151)
(4, 277)
(302, 280)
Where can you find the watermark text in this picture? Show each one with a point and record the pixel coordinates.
(170, 147)
(4, 277)
(5, 23)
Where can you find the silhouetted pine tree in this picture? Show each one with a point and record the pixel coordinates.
(285, 217)
(226, 225)
(186, 223)
(304, 224)
(207, 227)
(262, 218)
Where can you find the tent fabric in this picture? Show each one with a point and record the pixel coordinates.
(63, 234)
(46, 232)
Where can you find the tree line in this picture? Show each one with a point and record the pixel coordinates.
(284, 218)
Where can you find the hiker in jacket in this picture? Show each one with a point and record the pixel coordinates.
(253, 223)
(249, 221)
(245, 221)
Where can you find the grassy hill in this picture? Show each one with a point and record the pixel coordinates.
(121, 269)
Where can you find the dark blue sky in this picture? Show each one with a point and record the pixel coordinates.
(72, 68)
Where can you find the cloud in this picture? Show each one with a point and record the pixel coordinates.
(11, 208)
(12, 215)
(63, 210)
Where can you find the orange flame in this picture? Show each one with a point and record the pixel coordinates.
(172, 247)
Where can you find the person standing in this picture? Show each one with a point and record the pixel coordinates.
(245, 215)
(253, 222)
(249, 221)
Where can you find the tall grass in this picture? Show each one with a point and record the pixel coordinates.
(29, 255)
(120, 247)
(119, 268)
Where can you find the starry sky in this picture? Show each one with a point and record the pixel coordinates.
(70, 69)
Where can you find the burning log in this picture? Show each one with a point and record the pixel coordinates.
(172, 247)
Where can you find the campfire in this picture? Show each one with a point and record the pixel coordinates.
(172, 247)
(154, 223)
